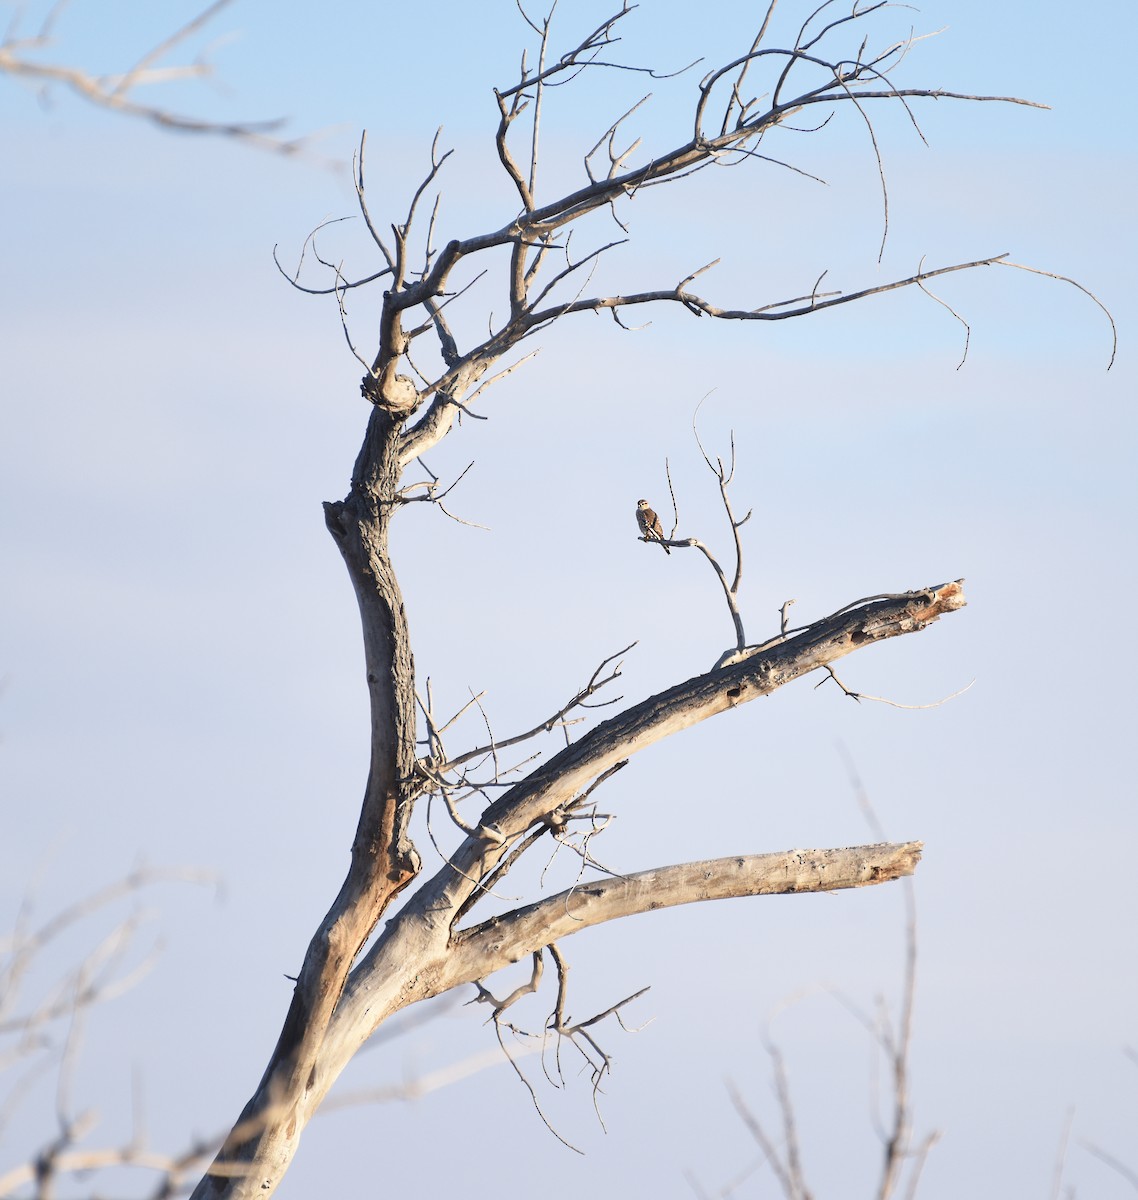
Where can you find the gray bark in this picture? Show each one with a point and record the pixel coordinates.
(424, 950)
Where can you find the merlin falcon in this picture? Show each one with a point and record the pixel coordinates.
(649, 523)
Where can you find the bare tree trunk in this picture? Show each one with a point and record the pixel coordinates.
(383, 859)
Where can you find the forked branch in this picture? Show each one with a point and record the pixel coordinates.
(892, 1037)
(724, 474)
(605, 674)
(423, 951)
(728, 125)
(22, 58)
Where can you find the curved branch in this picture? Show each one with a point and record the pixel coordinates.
(728, 593)
(759, 672)
(778, 311)
(437, 421)
(1003, 262)
(412, 959)
(504, 939)
(537, 223)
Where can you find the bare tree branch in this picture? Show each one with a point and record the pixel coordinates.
(859, 696)
(1086, 292)
(894, 1044)
(837, 81)
(502, 940)
(562, 777)
(422, 940)
(779, 310)
(20, 58)
(1116, 1165)
(29, 1032)
(597, 681)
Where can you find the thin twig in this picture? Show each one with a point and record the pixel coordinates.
(859, 696)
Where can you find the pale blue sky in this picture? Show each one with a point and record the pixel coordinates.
(181, 668)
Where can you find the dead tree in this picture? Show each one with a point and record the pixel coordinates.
(419, 379)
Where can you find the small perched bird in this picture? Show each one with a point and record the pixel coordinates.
(649, 523)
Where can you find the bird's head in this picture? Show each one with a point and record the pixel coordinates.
(641, 503)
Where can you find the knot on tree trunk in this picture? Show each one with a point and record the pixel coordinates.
(395, 393)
